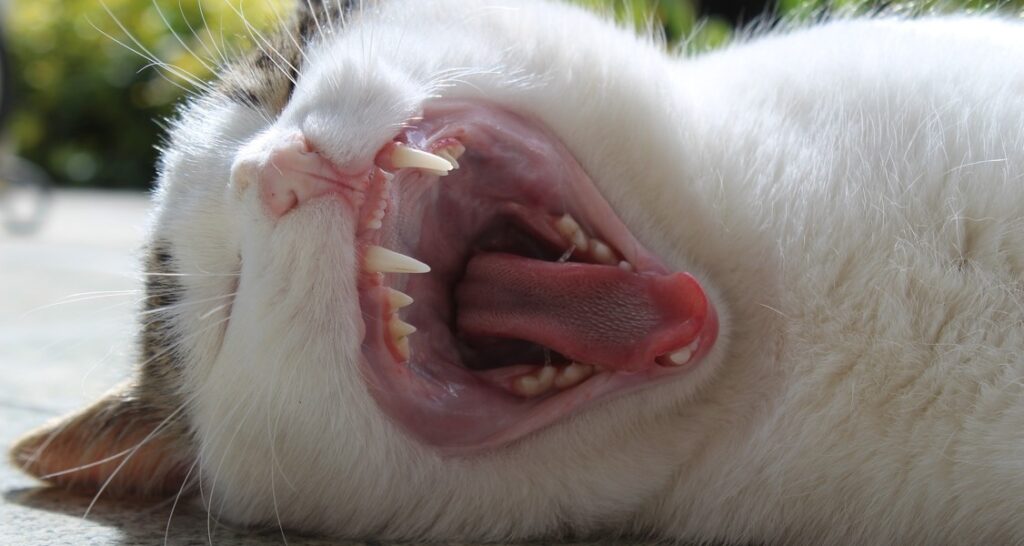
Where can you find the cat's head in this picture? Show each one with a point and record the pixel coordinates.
(415, 264)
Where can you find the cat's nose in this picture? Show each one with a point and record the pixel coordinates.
(290, 174)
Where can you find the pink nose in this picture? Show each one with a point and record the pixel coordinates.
(293, 173)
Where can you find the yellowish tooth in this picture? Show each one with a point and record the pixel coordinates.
(399, 328)
(527, 385)
(402, 344)
(546, 376)
(536, 383)
(405, 157)
(573, 374)
(602, 252)
(398, 299)
(567, 226)
(381, 260)
(580, 241)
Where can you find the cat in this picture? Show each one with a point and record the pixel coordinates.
(501, 269)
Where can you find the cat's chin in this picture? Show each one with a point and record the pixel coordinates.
(526, 298)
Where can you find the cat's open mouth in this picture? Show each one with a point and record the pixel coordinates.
(537, 301)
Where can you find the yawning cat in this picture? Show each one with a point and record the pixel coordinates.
(499, 269)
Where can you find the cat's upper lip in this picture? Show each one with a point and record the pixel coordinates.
(423, 329)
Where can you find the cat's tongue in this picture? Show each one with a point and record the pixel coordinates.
(595, 314)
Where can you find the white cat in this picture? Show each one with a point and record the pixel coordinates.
(839, 363)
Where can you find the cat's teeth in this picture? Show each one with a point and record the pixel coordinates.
(402, 345)
(625, 266)
(536, 383)
(399, 328)
(682, 356)
(452, 153)
(397, 299)
(381, 260)
(573, 375)
(570, 229)
(376, 223)
(405, 157)
(602, 252)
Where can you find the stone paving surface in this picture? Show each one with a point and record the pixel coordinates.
(67, 298)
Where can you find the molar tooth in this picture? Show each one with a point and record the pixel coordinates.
(402, 345)
(404, 157)
(625, 266)
(375, 224)
(573, 374)
(399, 328)
(398, 299)
(602, 252)
(567, 226)
(381, 260)
(536, 383)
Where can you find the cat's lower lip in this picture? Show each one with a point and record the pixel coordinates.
(518, 191)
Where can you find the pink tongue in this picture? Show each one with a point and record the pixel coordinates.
(596, 314)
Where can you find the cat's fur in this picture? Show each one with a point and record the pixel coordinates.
(851, 194)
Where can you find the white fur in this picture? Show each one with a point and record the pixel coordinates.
(851, 195)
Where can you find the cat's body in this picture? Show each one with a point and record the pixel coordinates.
(850, 195)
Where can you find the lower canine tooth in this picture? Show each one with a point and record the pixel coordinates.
(381, 260)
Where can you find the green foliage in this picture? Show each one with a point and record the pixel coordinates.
(87, 107)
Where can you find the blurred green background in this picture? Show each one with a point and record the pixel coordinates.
(88, 108)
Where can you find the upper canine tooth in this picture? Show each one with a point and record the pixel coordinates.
(398, 299)
(381, 260)
(404, 157)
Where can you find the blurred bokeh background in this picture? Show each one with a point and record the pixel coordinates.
(87, 98)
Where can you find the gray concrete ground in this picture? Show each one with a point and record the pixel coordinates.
(67, 297)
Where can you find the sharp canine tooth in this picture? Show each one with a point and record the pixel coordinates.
(404, 156)
(400, 328)
(381, 260)
(602, 252)
(397, 299)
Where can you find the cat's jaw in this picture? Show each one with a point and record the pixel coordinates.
(526, 254)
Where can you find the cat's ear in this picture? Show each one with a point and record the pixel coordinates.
(121, 444)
